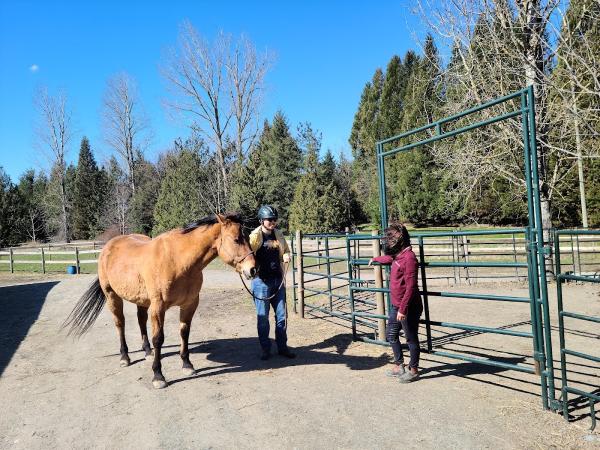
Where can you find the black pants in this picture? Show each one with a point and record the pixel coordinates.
(410, 325)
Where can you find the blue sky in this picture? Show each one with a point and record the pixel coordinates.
(325, 52)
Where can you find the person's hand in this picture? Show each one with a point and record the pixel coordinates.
(286, 257)
(370, 262)
(400, 316)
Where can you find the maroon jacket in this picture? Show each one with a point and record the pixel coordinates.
(404, 286)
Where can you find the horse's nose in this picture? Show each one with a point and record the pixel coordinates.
(252, 272)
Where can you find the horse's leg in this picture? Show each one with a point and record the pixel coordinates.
(185, 321)
(142, 315)
(115, 304)
(157, 317)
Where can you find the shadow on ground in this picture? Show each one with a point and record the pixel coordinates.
(20, 307)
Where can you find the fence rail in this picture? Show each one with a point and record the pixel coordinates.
(45, 260)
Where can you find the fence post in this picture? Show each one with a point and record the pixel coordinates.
(77, 260)
(43, 260)
(319, 253)
(300, 269)
(378, 284)
(10, 258)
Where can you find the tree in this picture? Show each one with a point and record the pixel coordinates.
(125, 125)
(118, 197)
(283, 161)
(501, 46)
(179, 196)
(87, 194)
(367, 129)
(317, 205)
(12, 213)
(31, 189)
(141, 208)
(54, 133)
(217, 84)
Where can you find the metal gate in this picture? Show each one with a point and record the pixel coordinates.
(566, 351)
(533, 264)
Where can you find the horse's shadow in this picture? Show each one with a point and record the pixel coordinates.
(242, 355)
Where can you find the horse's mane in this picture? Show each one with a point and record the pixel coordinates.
(211, 220)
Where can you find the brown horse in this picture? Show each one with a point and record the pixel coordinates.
(158, 273)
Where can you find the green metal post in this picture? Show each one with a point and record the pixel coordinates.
(350, 291)
(540, 248)
(293, 263)
(561, 327)
(382, 190)
(532, 272)
(328, 273)
(425, 296)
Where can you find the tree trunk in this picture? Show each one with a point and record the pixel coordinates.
(64, 217)
(584, 216)
(533, 29)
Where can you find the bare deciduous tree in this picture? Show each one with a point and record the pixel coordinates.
(54, 133)
(500, 46)
(125, 125)
(217, 85)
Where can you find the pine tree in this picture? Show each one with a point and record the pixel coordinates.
(86, 194)
(141, 211)
(179, 195)
(32, 188)
(283, 159)
(366, 131)
(12, 212)
(305, 210)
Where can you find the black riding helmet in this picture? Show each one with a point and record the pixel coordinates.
(267, 212)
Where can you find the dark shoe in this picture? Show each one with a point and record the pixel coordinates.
(408, 377)
(265, 355)
(287, 353)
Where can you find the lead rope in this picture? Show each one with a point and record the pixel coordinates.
(287, 266)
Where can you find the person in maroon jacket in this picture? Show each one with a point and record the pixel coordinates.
(407, 305)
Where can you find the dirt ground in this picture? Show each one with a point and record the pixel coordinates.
(63, 393)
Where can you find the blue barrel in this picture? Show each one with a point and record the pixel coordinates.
(71, 270)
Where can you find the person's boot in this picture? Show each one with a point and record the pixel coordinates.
(287, 353)
(266, 354)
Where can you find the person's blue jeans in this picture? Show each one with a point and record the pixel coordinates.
(264, 289)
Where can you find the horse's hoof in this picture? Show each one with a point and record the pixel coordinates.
(124, 363)
(159, 384)
(189, 371)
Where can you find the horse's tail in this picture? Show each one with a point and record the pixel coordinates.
(86, 310)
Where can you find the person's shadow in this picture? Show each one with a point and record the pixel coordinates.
(242, 355)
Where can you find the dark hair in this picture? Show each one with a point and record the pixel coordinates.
(396, 238)
(211, 220)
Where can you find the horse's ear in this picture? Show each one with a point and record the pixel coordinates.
(220, 218)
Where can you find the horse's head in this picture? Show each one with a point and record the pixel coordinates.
(234, 248)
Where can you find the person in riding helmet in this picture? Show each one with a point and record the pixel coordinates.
(270, 250)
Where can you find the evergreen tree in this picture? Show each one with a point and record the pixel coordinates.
(87, 195)
(282, 157)
(12, 213)
(143, 200)
(318, 204)
(305, 210)
(179, 195)
(31, 189)
(367, 129)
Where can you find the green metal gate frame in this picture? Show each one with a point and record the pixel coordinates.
(538, 288)
(561, 277)
(535, 248)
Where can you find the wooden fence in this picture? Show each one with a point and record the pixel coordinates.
(50, 258)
